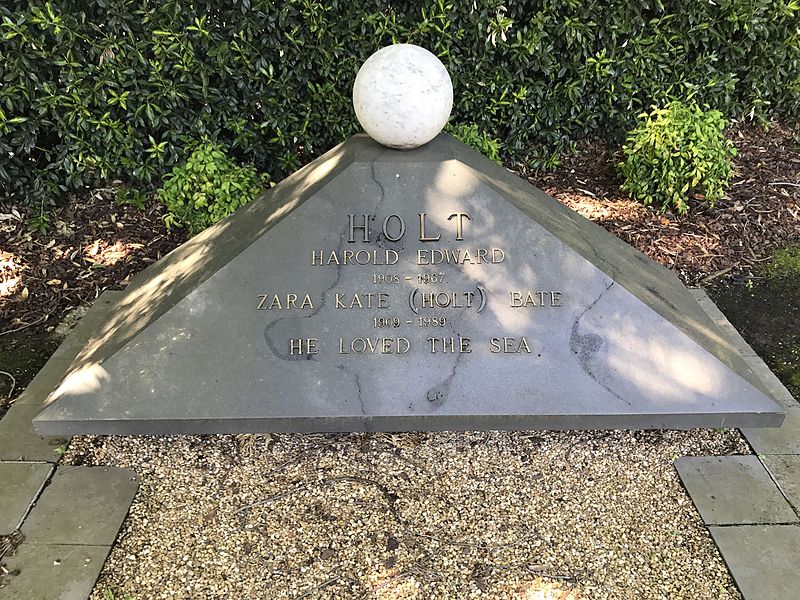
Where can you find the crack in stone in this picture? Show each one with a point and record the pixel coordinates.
(380, 240)
(323, 299)
(378, 183)
(357, 383)
(586, 346)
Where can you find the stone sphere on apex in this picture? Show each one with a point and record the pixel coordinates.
(403, 96)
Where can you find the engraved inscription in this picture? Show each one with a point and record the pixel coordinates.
(509, 345)
(322, 258)
(417, 297)
(527, 299)
(365, 300)
(459, 256)
(458, 344)
(284, 301)
(303, 346)
(393, 227)
(368, 345)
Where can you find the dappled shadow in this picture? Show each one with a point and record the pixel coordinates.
(161, 286)
(550, 323)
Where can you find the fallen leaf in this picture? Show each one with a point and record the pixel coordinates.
(54, 282)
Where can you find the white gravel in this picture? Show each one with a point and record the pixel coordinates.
(534, 515)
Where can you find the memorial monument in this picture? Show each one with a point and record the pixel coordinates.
(422, 288)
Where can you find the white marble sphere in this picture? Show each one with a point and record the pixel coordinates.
(403, 96)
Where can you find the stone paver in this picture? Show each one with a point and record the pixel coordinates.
(56, 367)
(20, 484)
(82, 505)
(45, 382)
(719, 319)
(733, 490)
(52, 572)
(786, 472)
(18, 441)
(771, 382)
(711, 309)
(71, 528)
(763, 559)
(777, 440)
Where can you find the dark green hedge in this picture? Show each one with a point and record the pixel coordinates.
(95, 90)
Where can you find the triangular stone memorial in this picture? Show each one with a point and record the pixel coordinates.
(430, 289)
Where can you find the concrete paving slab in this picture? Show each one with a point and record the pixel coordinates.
(733, 490)
(762, 559)
(45, 381)
(721, 321)
(20, 484)
(18, 440)
(82, 505)
(52, 572)
(735, 337)
(56, 367)
(786, 472)
(781, 440)
(774, 385)
(707, 304)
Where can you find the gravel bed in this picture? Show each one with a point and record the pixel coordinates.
(544, 515)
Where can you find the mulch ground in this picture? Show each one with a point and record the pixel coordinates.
(94, 244)
(761, 210)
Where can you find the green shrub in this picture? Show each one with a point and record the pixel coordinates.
(477, 139)
(675, 153)
(207, 188)
(98, 90)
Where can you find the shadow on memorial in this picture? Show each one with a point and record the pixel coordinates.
(165, 283)
(626, 344)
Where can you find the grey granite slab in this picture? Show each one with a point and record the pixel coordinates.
(48, 378)
(721, 321)
(18, 440)
(20, 484)
(733, 490)
(428, 289)
(785, 471)
(81, 505)
(735, 337)
(782, 440)
(762, 559)
(45, 381)
(771, 382)
(52, 572)
(711, 309)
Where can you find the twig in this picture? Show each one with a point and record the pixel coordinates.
(297, 457)
(13, 382)
(713, 276)
(410, 531)
(324, 584)
(36, 322)
(785, 183)
(388, 495)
